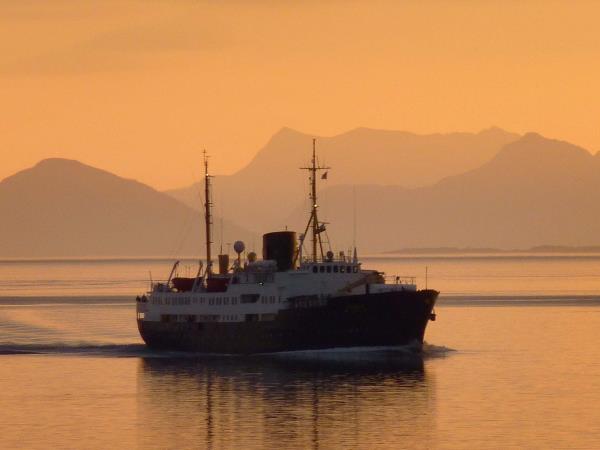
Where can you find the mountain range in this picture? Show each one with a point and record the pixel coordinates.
(63, 208)
(535, 191)
(488, 189)
(360, 156)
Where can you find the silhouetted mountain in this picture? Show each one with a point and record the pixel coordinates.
(64, 208)
(271, 186)
(536, 191)
(533, 192)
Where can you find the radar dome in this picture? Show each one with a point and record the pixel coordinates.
(239, 246)
(251, 256)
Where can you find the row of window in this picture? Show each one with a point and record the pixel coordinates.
(334, 269)
(178, 301)
(191, 318)
(222, 300)
(244, 298)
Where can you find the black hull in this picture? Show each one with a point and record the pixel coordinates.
(383, 319)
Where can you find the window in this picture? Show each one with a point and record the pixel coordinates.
(249, 298)
(342, 269)
(335, 269)
(322, 269)
(348, 269)
(315, 270)
(328, 269)
(355, 269)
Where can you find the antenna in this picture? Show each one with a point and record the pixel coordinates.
(354, 255)
(354, 216)
(222, 228)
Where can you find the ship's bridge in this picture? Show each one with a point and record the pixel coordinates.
(330, 266)
(331, 263)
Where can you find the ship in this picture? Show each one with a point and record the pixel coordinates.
(286, 301)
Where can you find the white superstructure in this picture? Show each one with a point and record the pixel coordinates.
(258, 292)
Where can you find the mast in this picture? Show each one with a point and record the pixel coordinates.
(207, 215)
(313, 221)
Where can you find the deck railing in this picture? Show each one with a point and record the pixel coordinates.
(400, 279)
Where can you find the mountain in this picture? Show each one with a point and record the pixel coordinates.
(535, 191)
(65, 208)
(271, 186)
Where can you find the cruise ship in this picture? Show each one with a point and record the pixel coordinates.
(288, 300)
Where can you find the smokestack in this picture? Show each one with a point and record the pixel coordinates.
(223, 264)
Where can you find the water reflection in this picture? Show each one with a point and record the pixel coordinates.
(306, 400)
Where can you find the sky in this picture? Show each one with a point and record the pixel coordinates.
(141, 87)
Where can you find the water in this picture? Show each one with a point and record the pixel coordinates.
(521, 372)
(456, 275)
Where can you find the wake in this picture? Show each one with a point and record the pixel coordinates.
(139, 350)
(70, 348)
(436, 351)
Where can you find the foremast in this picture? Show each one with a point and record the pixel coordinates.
(207, 216)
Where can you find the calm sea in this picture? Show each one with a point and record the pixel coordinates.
(513, 361)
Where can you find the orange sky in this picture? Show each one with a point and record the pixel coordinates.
(140, 87)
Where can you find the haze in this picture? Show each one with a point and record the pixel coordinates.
(139, 88)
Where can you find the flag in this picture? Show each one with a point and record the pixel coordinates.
(324, 176)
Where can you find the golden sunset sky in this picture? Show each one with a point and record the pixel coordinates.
(140, 87)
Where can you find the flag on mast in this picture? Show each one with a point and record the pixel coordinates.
(324, 176)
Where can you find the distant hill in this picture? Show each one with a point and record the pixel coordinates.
(64, 208)
(552, 249)
(534, 192)
(267, 190)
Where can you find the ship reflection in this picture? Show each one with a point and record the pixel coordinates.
(298, 400)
